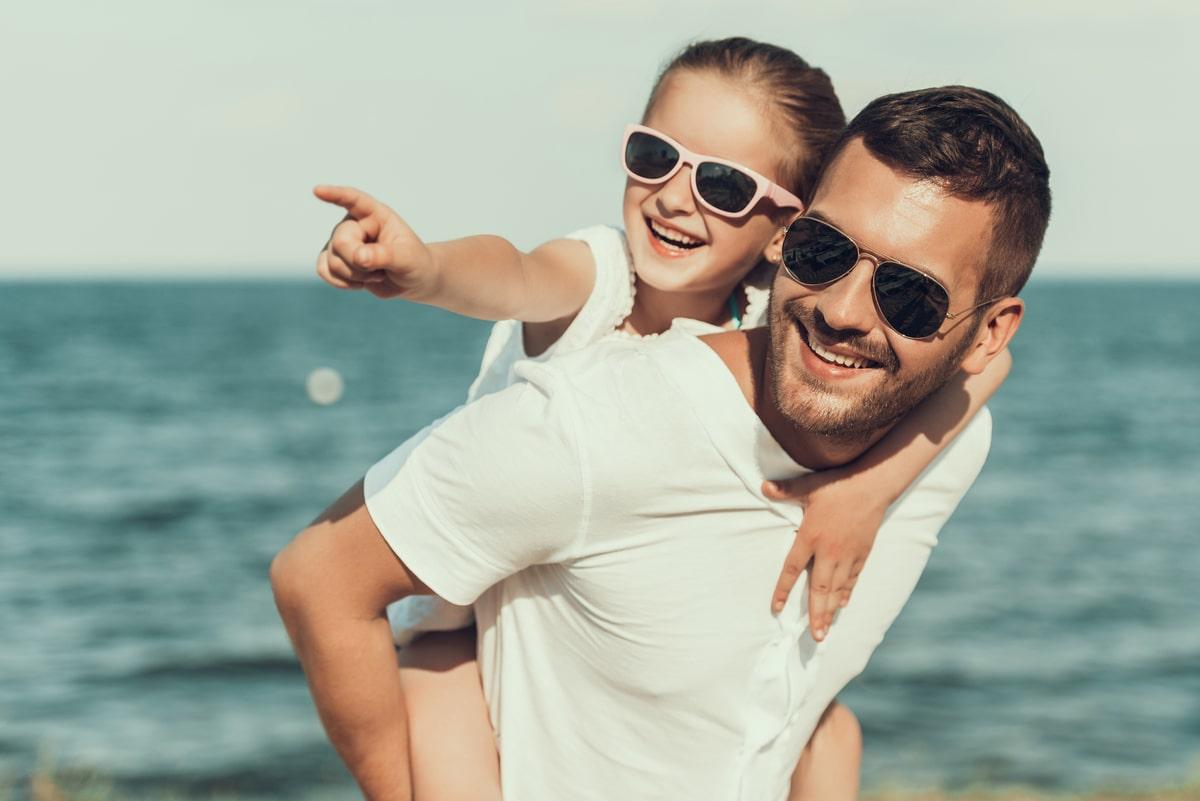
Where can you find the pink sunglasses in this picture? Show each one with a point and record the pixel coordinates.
(724, 187)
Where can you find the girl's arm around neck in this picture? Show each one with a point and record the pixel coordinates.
(894, 463)
(845, 506)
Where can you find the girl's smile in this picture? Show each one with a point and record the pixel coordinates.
(669, 241)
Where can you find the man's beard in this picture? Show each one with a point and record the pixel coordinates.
(813, 407)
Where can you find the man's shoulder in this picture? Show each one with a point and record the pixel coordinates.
(618, 363)
(971, 446)
(635, 396)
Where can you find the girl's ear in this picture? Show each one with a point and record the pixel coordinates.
(774, 249)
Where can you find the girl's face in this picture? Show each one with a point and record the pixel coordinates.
(677, 244)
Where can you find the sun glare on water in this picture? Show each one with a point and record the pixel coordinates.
(324, 386)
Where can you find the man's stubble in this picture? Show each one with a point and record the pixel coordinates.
(812, 407)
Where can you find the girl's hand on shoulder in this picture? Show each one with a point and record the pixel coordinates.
(838, 531)
(373, 248)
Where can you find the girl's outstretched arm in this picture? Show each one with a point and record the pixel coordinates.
(844, 506)
(480, 276)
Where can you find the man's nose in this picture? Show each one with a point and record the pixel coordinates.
(848, 303)
(675, 196)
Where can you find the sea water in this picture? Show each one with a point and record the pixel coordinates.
(158, 446)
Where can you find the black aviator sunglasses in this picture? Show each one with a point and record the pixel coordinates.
(913, 303)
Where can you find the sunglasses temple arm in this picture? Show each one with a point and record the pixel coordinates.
(783, 198)
(953, 315)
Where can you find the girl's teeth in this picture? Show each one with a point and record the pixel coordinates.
(844, 361)
(673, 236)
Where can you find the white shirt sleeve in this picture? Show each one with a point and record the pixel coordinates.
(890, 574)
(497, 486)
(611, 298)
(608, 304)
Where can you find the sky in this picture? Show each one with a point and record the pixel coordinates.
(181, 139)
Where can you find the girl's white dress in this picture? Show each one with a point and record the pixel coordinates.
(609, 303)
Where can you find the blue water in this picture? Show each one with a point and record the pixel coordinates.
(157, 448)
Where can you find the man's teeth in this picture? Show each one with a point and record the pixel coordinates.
(844, 361)
(673, 237)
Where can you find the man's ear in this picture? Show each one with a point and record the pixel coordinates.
(1000, 323)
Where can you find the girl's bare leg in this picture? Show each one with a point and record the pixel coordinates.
(451, 744)
(454, 754)
(830, 764)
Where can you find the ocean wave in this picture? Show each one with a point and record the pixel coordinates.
(265, 666)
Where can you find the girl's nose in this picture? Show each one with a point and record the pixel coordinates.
(675, 196)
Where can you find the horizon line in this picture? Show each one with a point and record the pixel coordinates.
(1068, 271)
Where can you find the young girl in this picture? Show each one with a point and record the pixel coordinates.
(729, 150)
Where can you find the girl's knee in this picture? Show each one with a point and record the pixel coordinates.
(829, 766)
(838, 728)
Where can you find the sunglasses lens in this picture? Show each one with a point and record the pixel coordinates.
(724, 188)
(649, 157)
(815, 253)
(912, 303)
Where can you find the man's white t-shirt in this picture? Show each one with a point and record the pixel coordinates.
(605, 515)
(607, 306)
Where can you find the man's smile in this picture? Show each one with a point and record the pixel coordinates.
(831, 361)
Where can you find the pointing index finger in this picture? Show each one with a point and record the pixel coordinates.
(359, 204)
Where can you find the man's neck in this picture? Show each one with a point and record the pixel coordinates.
(745, 353)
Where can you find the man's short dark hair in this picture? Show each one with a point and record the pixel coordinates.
(976, 147)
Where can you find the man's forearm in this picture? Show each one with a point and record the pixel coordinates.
(352, 673)
(332, 584)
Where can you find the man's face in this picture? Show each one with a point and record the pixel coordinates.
(900, 218)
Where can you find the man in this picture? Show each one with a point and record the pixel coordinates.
(606, 516)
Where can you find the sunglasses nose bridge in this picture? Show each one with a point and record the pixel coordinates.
(848, 303)
(677, 192)
(870, 258)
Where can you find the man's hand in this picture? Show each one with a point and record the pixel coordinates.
(837, 533)
(374, 249)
